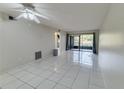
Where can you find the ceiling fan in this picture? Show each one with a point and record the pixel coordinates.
(29, 12)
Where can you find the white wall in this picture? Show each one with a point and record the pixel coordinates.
(19, 40)
(3, 17)
(111, 44)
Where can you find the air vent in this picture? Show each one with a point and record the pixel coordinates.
(11, 18)
(38, 55)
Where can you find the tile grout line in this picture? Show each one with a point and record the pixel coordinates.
(75, 78)
(61, 78)
(49, 80)
(23, 81)
(89, 80)
(40, 76)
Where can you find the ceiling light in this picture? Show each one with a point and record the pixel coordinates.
(29, 15)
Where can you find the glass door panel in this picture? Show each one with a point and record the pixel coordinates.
(76, 42)
(86, 41)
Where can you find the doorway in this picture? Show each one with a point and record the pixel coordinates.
(81, 42)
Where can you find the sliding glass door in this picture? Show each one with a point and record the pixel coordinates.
(82, 42)
(86, 42)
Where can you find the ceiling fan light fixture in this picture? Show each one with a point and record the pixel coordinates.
(29, 15)
(25, 15)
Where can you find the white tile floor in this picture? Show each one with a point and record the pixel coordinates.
(74, 69)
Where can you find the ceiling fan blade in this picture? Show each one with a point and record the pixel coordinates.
(38, 14)
(18, 17)
(36, 20)
(29, 5)
(42, 16)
